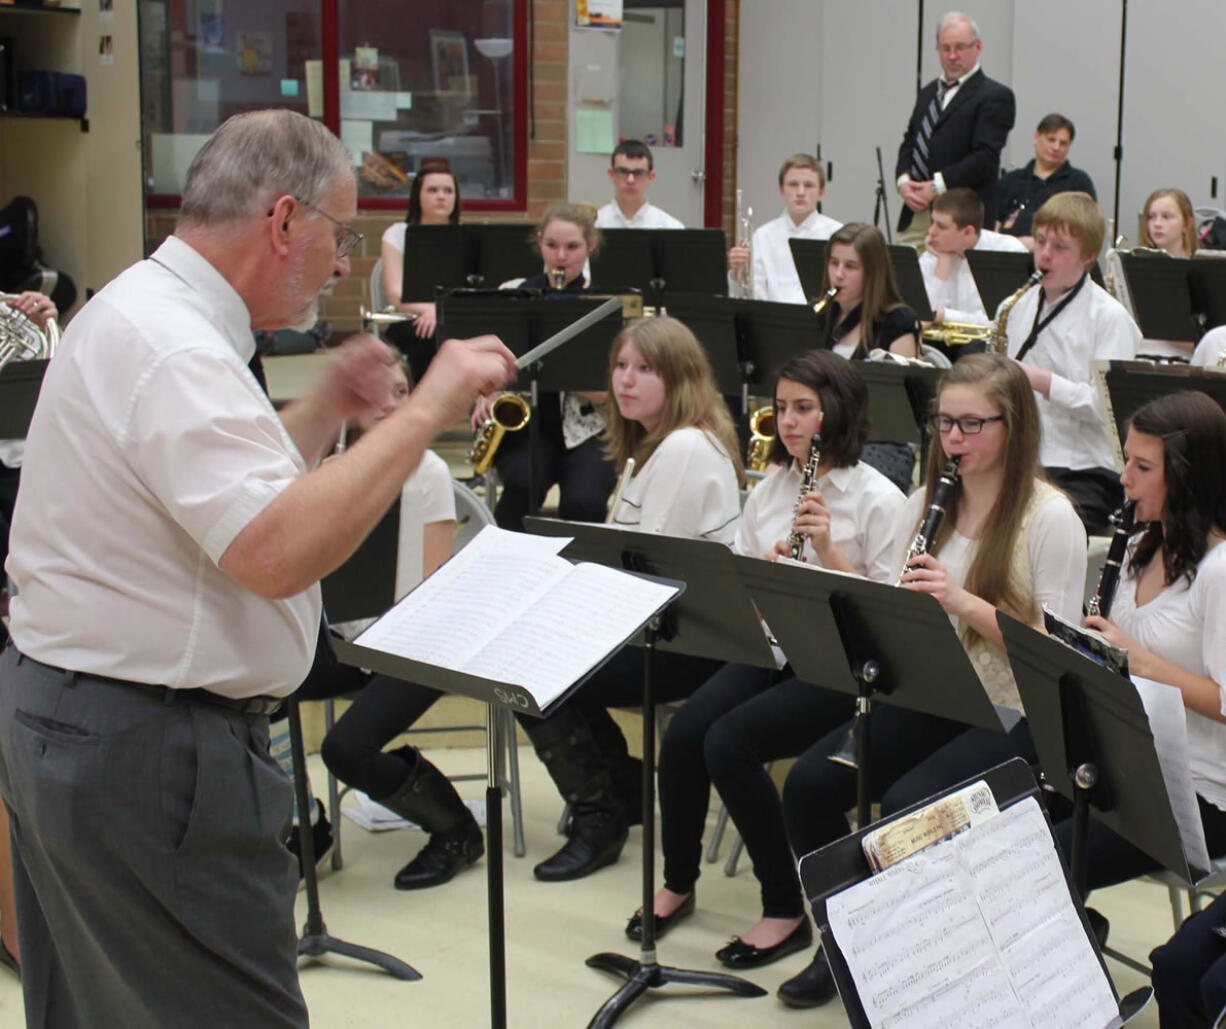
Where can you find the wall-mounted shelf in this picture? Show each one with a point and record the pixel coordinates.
(47, 117)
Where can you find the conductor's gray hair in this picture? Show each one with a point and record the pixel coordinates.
(255, 157)
(954, 18)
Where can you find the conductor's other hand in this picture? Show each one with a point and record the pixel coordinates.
(462, 370)
(738, 258)
(360, 381)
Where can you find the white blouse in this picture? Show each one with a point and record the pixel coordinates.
(686, 488)
(862, 502)
(1186, 625)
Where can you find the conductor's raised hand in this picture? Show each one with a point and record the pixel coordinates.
(360, 380)
(462, 371)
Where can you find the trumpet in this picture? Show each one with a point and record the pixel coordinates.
(796, 538)
(388, 316)
(557, 277)
(20, 336)
(957, 334)
(509, 412)
(744, 239)
(1124, 521)
(999, 339)
(761, 436)
(829, 295)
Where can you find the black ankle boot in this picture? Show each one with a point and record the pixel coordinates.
(598, 828)
(428, 798)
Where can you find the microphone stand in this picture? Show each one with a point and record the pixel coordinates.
(881, 206)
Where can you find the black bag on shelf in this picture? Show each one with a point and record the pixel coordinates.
(51, 93)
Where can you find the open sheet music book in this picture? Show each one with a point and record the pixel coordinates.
(977, 931)
(509, 609)
(1168, 724)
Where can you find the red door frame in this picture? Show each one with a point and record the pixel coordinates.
(713, 158)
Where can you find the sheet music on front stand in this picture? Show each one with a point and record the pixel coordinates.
(980, 928)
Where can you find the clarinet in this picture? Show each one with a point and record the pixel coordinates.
(796, 538)
(945, 487)
(1123, 519)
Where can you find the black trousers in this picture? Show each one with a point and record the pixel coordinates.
(1095, 493)
(1190, 971)
(582, 474)
(739, 719)
(818, 792)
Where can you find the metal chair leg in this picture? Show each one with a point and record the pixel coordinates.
(334, 796)
(517, 804)
(717, 837)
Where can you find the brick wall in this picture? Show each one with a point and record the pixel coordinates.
(546, 155)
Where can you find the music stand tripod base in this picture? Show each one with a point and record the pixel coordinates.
(315, 941)
(644, 973)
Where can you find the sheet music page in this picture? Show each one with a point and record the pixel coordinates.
(447, 618)
(572, 627)
(1168, 721)
(977, 931)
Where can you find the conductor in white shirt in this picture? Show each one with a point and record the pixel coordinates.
(802, 186)
(632, 170)
(166, 551)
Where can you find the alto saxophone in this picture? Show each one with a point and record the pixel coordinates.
(1124, 521)
(999, 339)
(761, 436)
(509, 412)
(929, 527)
(796, 538)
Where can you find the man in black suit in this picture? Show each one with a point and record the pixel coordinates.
(956, 132)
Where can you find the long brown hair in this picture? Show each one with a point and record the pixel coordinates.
(1184, 203)
(881, 291)
(690, 394)
(1005, 385)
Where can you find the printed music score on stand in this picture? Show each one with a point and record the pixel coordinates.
(979, 928)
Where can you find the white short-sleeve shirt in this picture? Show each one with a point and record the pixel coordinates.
(774, 272)
(646, 217)
(151, 448)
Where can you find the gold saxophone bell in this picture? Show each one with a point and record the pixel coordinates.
(829, 295)
(956, 334)
(761, 438)
(20, 336)
(509, 412)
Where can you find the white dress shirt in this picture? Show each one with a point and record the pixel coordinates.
(1183, 625)
(646, 217)
(959, 294)
(1210, 349)
(686, 488)
(862, 502)
(774, 272)
(427, 497)
(151, 449)
(394, 235)
(1094, 327)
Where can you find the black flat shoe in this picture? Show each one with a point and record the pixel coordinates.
(634, 928)
(812, 987)
(739, 954)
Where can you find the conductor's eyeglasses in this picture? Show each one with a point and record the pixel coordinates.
(967, 426)
(346, 237)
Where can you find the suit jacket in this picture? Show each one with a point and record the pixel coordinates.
(965, 145)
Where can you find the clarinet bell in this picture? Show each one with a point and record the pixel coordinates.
(846, 753)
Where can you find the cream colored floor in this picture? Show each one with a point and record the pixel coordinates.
(551, 928)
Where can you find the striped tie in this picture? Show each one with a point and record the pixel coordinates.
(919, 156)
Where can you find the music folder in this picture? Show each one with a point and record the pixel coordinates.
(509, 622)
(978, 927)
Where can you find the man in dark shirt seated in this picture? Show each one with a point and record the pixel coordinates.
(1024, 190)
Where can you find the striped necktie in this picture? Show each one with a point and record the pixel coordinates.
(919, 155)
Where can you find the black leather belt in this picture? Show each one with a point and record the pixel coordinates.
(260, 705)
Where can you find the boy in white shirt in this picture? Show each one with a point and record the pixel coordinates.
(957, 226)
(1057, 332)
(802, 186)
(631, 170)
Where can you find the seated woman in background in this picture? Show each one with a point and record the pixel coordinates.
(1170, 607)
(867, 312)
(434, 199)
(1008, 541)
(569, 451)
(744, 716)
(667, 414)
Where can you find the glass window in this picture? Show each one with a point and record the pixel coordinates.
(436, 85)
(652, 62)
(433, 80)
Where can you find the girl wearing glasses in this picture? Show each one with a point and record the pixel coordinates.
(1009, 542)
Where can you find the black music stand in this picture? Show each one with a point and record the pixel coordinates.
(809, 256)
(365, 585)
(900, 400)
(20, 383)
(877, 631)
(1161, 296)
(881, 203)
(1095, 748)
(714, 618)
(504, 251)
(443, 257)
(998, 273)
(1207, 284)
(1130, 384)
(493, 694)
(662, 262)
(842, 864)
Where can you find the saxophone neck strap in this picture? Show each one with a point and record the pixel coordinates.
(1040, 325)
